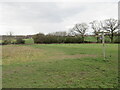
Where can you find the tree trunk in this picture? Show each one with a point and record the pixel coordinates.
(83, 38)
(112, 37)
(97, 39)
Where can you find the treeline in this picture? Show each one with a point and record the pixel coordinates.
(6, 37)
(76, 34)
(40, 38)
(47, 39)
(11, 41)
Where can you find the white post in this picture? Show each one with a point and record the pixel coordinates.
(103, 42)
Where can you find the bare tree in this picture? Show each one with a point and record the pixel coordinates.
(71, 33)
(10, 33)
(96, 26)
(81, 29)
(111, 25)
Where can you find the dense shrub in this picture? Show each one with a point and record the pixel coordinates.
(20, 41)
(41, 38)
(61, 39)
(50, 39)
(13, 42)
(117, 39)
(5, 42)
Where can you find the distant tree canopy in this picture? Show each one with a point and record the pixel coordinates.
(96, 26)
(39, 38)
(80, 29)
(60, 33)
(111, 25)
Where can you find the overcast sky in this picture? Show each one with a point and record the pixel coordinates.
(23, 18)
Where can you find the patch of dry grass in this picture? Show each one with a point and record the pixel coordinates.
(13, 54)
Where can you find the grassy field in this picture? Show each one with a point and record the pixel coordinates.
(29, 41)
(60, 66)
(0, 41)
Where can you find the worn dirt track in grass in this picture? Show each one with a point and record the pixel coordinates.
(62, 56)
(15, 53)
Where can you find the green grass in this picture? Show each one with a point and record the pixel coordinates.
(0, 41)
(91, 39)
(60, 66)
(29, 41)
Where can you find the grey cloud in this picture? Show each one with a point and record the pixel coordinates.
(33, 17)
(40, 12)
